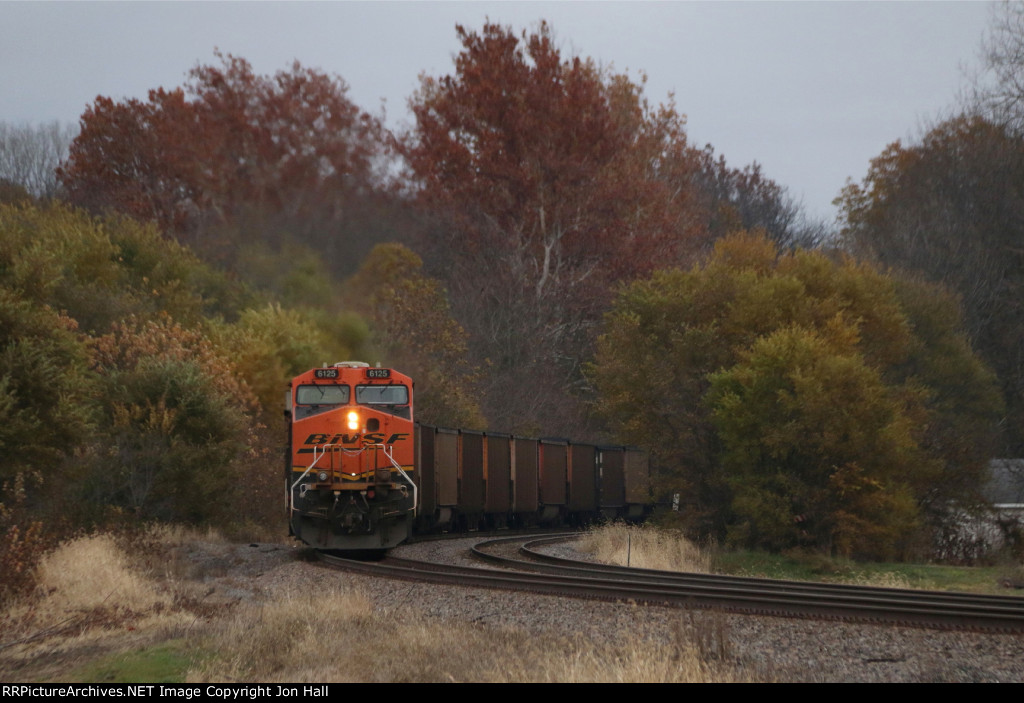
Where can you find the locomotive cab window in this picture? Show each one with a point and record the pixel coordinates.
(392, 397)
(312, 399)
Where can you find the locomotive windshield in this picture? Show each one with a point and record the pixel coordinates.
(382, 395)
(322, 395)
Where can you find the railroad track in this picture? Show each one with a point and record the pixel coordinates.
(523, 568)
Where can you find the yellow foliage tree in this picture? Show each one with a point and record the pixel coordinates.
(796, 399)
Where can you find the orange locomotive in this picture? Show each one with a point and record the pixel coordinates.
(350, 457)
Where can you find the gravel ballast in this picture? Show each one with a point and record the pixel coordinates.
(774, 648)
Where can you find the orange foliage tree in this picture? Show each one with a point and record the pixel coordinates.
(555, 156)
(549, 175)
(229, 142)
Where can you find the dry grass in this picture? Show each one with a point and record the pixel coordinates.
(181, 535)
(90, 597)
(1011, 575)
(886, 579)
(92, 572)
(94, 604)
(285, 641)
(646, 548)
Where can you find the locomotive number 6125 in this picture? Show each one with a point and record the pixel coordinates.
(349, 481)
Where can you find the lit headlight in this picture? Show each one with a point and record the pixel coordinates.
(353, 420)
(322, 476)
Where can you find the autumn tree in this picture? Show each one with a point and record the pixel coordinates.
(998, 92)
(413, 330)
(795, 400)
(176, 424)
(745, 199)
(950, 208)
(45, 388)
(279, 156)
(13, 194)
(102, 270)
(543, 172)
(816, 449)
(272, 344)
(103, 341)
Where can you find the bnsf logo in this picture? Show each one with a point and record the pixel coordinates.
(372, 438)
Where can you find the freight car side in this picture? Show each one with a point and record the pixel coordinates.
(479, 480)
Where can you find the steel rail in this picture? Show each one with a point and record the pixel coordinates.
(946, 607)
(757, 596)
(542, 561)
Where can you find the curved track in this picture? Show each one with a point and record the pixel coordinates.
(541, 573)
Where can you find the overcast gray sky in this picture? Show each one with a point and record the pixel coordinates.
(811, 90)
